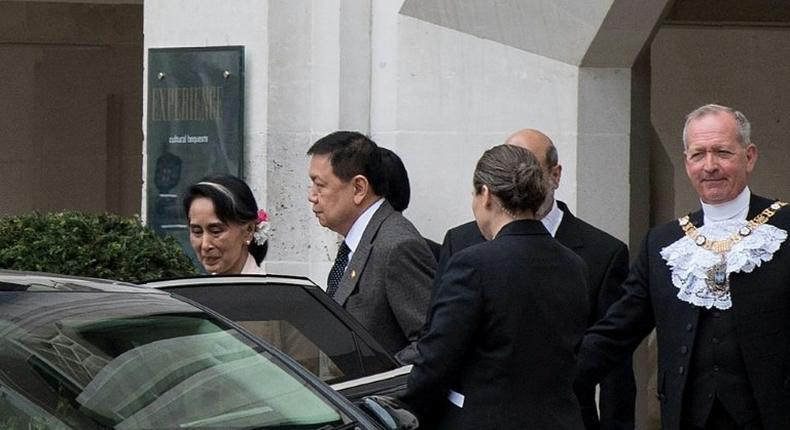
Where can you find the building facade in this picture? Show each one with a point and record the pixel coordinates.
(436, 81)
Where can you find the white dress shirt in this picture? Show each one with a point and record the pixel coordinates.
(354, 235)
(553, 219)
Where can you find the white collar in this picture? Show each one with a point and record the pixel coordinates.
(735, 209)
(251, 267)
(553, 219)
(354, 235)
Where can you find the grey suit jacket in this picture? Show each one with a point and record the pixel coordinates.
(387, 284)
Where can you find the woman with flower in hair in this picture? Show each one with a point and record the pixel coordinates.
(226, 229)
(229, 235)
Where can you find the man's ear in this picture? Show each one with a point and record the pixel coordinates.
(361, 188)
(556, 174)
(751, 157)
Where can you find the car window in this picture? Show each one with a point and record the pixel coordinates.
(130, 361)
(297, 323)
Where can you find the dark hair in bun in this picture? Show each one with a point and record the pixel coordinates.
(512, 174)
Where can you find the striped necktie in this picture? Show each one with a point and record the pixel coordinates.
(336, 274)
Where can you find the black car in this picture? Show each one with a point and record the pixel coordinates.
(296, 316)
(86, 354)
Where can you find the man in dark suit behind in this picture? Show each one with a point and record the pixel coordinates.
(715, 285)
(607, 263)
(382, 275)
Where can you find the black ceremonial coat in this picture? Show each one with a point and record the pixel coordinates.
(761, 307)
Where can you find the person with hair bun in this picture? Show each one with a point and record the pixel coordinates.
(507, 317)
(610, 404)
(398, 189)
(226, 229)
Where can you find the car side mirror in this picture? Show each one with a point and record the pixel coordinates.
(390, 413)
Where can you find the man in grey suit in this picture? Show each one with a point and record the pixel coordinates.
(384, 269)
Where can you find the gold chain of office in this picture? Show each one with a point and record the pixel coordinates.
(724, 245)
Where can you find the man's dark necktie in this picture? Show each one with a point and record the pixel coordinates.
(336, 274)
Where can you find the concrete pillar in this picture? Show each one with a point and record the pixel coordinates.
(305, 103)
(306, 74)
(200, 23)
(603, 149)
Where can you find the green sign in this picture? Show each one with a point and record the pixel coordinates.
(195, 127)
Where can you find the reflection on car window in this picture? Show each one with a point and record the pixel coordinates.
(107, 362)
(288, 339)
(18, 412)
(292, 320)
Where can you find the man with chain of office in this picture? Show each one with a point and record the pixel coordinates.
(715, 285)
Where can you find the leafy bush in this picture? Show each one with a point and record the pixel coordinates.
(100, 246)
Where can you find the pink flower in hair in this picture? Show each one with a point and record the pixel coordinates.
(262, 227)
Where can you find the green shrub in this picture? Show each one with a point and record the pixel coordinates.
(100, 246)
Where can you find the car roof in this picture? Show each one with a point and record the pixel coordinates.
(12, 280)
(239, 279)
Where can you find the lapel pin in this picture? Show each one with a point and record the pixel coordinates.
(353, 274)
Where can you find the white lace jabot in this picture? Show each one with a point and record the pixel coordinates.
(691, 265)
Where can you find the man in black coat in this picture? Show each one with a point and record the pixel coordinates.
(716, 287)
(607, 263)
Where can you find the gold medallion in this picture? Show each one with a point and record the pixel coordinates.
(717, 280)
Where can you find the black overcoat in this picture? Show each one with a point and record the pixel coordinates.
(607, 267)
(761, 311)
(505, 325)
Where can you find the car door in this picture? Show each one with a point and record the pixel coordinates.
(80, 353)
(297, 317)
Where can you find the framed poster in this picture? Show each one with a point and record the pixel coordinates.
(195, 127)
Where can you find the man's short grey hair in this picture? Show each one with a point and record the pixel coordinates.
(743, 127)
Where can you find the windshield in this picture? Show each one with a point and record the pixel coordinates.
(139, 361)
